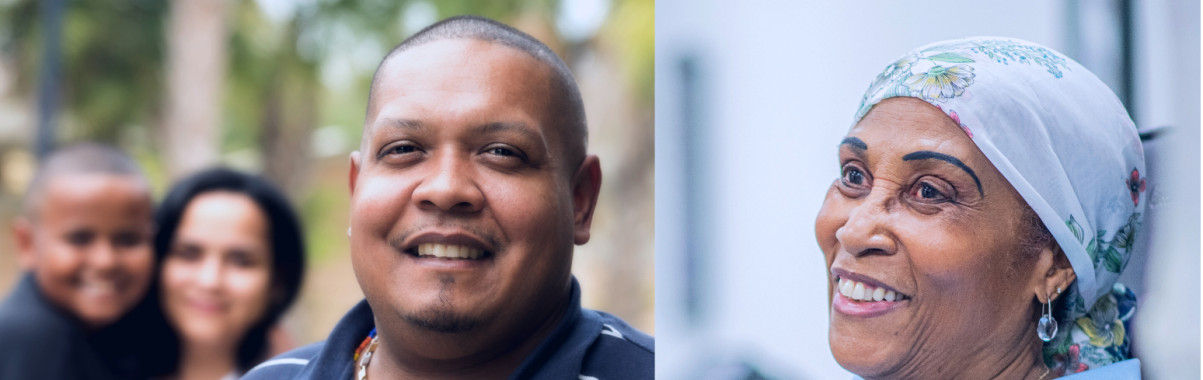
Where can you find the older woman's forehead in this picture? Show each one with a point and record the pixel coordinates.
(912, 124)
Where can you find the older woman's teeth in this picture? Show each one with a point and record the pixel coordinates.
(861, 292)
(858, 292)
(447, 251)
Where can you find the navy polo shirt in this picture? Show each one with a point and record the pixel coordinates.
(586, 345)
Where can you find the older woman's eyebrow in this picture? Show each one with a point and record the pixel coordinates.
(926, 154)
(855, 143)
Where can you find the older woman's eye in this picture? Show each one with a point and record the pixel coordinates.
(927, 192)
(853, 176)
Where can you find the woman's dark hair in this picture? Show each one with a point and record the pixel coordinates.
(287, 250)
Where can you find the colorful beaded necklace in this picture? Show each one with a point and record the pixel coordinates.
(363, 355)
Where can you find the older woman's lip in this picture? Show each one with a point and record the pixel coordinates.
(852, 308)
(838, 273)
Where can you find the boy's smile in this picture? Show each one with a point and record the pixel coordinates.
(88, 245)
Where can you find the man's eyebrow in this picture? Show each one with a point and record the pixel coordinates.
(508, 127)
(927, 154)
(402, 123)
(855, 143)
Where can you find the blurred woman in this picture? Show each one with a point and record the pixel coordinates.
(231, 257)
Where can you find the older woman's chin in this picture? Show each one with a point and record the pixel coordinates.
(869, 354)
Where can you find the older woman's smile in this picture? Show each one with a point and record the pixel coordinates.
(862, 296)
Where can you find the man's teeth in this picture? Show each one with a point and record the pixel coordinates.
(862, 292)
(447, 251)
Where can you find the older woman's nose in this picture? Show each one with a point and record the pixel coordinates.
(867, 230)
(450, 186)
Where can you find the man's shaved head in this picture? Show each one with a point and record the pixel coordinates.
(80, 158)
(567, 109)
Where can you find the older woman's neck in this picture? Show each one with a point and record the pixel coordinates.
(200, 361)
(1022, 359)
(996, 355)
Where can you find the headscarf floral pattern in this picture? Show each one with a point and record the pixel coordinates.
(1043, 121)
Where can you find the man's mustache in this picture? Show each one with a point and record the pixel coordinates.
(398, 241)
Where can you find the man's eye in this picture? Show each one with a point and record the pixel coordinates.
(502, 152)
(401, 149)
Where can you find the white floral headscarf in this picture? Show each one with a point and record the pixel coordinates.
(1065, 142)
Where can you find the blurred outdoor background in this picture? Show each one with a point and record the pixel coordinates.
(279, 87)
(752, 101)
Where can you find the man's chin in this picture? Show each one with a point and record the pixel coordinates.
(441, 320)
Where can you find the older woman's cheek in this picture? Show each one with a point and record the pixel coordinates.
(832, 215)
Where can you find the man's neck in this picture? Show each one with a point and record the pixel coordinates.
(497, 359)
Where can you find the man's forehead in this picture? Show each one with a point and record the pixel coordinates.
(465, 52)
(465, 69)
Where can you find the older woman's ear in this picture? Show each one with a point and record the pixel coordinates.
(1054, 274)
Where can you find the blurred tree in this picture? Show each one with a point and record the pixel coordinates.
(112, 55)
(195, 68)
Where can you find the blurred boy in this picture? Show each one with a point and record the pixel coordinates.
(83, 239)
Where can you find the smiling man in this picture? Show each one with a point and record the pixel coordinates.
(470, 189)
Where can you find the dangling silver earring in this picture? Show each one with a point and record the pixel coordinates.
(348, 231)
(1047, 328)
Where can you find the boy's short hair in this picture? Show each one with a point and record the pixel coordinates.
(78, 158)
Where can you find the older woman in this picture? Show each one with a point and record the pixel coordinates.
(231, 258)
(989, 194)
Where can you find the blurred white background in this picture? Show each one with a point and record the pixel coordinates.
(752, 99)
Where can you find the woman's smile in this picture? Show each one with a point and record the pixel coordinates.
(864, 297)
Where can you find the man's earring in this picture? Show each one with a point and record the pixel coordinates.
(1047, 328)
(348, 231)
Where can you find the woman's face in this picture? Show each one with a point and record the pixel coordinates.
(920, 216)
(216, 277)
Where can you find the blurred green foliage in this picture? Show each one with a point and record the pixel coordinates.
(113, 54)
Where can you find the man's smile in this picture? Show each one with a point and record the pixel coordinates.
(449, 251)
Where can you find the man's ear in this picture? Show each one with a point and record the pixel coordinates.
(353, 174)
(586, 185)
(23, 234)
(1053, 274)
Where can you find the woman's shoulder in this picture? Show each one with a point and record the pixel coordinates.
(1127, 369)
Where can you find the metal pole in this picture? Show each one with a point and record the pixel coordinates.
(48, 84)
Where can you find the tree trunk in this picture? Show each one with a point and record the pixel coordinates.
(196, 66)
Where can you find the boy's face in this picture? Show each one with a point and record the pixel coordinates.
(88, 244)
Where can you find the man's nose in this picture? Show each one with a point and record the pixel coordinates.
(450, 185)
(868, 230)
